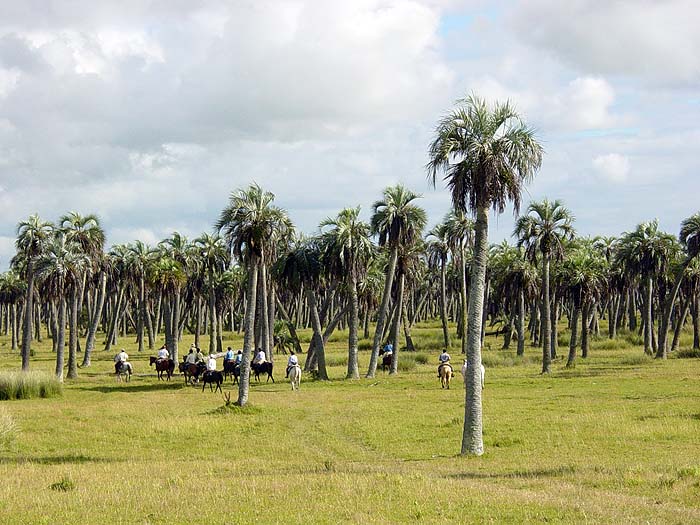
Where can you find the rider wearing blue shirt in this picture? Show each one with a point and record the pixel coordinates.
(229, 355)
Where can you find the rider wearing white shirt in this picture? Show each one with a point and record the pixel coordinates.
(120, 358)
(291, 362)
(163, 353)
(191, 357)
(259, 357)
(211, 364)
(444, 360)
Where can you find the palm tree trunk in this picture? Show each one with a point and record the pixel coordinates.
(174, 344)
(142, 313)
(585, 328)
(381, 314)
(443, 305)
(249, 332)
(397, 325)
(73, 339)
(212, 314)
(679, 326)
(95, 321)
(353, 326)
(574, 334)
(648, 319)
(61, 343)
(472, 434)
(695, 314)
(668, 310)
(27, 321)
(521, 323)
(318, 332)
(464, 310)
(546, 318)
(407, 329)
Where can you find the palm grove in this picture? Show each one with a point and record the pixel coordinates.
(258, 276)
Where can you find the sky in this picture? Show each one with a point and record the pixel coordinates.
(150, 113)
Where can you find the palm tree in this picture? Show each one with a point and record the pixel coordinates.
(61, 266)
(485, 155)
(347, 249)
(170, 275)
(645, 252)
(543, 230)
(214, 258)
(88, 236)
(32, 236)
(438, 253)
(460, 239)
(140, 258)
(690, 239)
(397, 221)
(12, 290)
(251, 225)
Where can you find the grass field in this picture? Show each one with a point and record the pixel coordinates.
(617, 439)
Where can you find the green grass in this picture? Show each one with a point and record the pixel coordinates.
(614, 440)
(18, 385)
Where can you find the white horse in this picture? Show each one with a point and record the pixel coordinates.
(125, 371)
(465, 367)
(295, 376)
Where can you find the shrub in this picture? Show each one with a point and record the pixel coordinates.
(26, 385)
(406, 364)
(637, 359)
(336, 360)
(422, 359)
(687, 353)
(64, 485)
(8, 429)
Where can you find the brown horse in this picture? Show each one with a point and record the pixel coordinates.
(386, 360)
(191, 372)
(163, 365)
(446, 374)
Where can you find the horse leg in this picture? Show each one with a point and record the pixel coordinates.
(218, 387)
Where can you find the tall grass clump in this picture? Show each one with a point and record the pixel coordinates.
(8, 429)
(26, 385)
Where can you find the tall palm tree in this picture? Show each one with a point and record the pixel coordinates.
(485, 155)
(690, 239)
(543, 230)
(397, 221)
(141, 257)
(460, 239)
(348, 249)
(438, 254)
(88, 236)
(32, 236)
(214, 257)
(170, 275)
(61, 267)
(644, 252)
(250, 224)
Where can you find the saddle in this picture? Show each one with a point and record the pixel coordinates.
(445, 364)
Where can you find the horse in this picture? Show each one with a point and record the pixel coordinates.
(125, 371)
(163, 365)
(464, 374)
(233, 369)
(191, 372)
(211, 377)
(295, 376)
(446, 374)
(386, 360)
(262, 368)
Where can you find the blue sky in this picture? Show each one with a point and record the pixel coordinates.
(150, 114)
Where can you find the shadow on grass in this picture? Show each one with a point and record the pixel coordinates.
(67, 459)
(129, 387)
(523, 473)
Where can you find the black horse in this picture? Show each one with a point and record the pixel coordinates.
(386, 360)
(262, 368)
(210, 377)
(233, 369)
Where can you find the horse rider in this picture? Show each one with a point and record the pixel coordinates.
(229, 356)
(119, 359)
(211, 363)
(163, 354)
(444, 360)
(191, 358)
(199, 356)
(259, 357)
(291, 362)
(238, 358)
(389, 349)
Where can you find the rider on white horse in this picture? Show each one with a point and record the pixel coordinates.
(119, 359)
(291, 362)
(444, 360)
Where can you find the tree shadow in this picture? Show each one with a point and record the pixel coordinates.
(130, 387)
(66, 459)
(521, 473)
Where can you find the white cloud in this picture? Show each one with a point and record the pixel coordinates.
(612, 167)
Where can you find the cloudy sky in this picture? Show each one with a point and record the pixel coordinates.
(149, 113)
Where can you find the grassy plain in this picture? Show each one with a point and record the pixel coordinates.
(614, 440)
